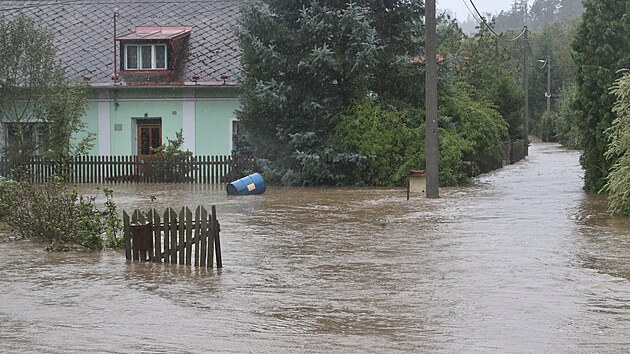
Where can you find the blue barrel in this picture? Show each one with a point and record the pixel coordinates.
(252, 184)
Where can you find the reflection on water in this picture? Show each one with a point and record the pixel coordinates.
(522, 261)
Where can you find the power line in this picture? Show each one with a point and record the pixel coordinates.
(484, 22)
(471, 12)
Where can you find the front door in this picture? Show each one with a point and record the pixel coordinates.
(149, 138)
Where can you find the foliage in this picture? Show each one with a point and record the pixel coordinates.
(39, 106)
(302, 64)
(316, 165)
(536, 16)
(601, 48)
(484, 64)
(305, 62)
(391, 137)
(52, 214)
(244, 161)
(5, 188)
(169, 162)
(480, 125)
(113, 223)
(332, 90)
(553, 43)
(566, 130)
(618, 181)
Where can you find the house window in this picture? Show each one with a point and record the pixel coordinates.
(27, 138)
(145, 57)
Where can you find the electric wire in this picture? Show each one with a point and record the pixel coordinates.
(484, 22)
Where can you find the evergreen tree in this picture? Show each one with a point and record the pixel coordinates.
(602, 47)
(306, 61)
(543, 12)
(570, 8)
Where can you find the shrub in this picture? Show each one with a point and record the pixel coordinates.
(479, 125)
(52, 214)
(618, 150)
(567, 131)
(113, 223)
(170, 163)
(392, 139)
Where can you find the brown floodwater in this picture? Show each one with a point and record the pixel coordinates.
(521, 261)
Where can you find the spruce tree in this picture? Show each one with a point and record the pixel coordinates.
(304, 62)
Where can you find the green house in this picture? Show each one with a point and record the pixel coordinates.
(153, 68)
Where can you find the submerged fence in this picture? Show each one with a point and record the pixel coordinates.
(514, 151)
(124, 169)
(174, 238)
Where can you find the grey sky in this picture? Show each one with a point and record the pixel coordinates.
(484, 6)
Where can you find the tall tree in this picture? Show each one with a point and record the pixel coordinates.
(602, 47)
(570, 8)
(543, 12)
(39, 109)
(486, 65)
(306, 61)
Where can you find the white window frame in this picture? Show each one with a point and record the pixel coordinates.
(232, 132)
(139, 47)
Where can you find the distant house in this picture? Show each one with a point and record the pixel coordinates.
(153, 68)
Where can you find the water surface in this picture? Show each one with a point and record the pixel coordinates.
(521, 261)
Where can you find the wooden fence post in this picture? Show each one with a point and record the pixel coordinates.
(197, 235)
(173, 217)
(167, 239)
(189, 236)
(157, 235)
(127, 235)
(216, 229)
(182, 235)
(202, 223)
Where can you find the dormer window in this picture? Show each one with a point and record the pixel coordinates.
(146, 57)
(153, 54)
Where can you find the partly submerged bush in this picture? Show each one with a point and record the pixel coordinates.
(53, 214)
(392, 138)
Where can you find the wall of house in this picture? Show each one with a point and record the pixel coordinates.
(203, 114)
(214, 125)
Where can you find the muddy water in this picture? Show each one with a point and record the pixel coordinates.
(523, 261)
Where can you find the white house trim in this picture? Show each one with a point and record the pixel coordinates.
(188, 125)
(104, 128)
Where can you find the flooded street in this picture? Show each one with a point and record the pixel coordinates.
(522, 261)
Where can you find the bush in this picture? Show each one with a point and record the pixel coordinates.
(113, 223)
(389, 136)
(392, 138)
(169, 162)
(567, 132)
(618, 150)
(480, 126)
(52, 214)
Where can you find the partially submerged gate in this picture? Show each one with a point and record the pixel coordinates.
(177, 238)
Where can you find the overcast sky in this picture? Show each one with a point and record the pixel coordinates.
(484, 6)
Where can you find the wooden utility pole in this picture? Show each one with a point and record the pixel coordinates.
(548, 94)
(431, 141)
(526, 82)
